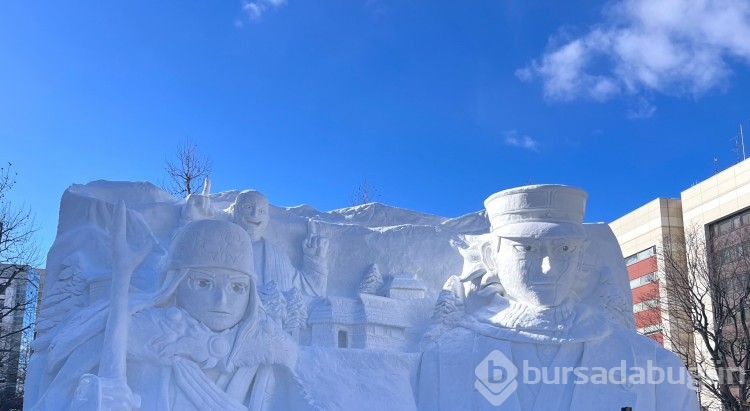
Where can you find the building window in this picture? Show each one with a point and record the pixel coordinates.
(730, 224)
(343, 339)
(651, 329)
(645, 305)
(643, 280)
(729, 240)
(640, 256)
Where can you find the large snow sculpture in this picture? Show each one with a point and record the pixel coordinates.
(199, 342)
(125, 321)
(250, 210)
(415, 252)
(543, 326)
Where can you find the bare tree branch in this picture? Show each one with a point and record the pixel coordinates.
(707, 297)
(364, 193)
(187, 171)
(18, 289)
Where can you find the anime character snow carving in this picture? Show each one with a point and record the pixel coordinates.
(199, 342)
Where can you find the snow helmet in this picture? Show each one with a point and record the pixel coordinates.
(212, 244)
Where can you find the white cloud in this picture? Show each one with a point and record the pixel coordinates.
(512, 139)
(641, 109)
(256, 8)
(674, 47)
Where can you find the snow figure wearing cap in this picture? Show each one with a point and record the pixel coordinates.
(530, 342)
(205, 334)
(200, 341)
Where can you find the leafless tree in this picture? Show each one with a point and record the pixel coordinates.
(18, 288)
(707, 290)
(187, 170)
(364, 193)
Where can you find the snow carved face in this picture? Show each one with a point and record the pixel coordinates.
(251, 213)
(217, 297)
(538, 271)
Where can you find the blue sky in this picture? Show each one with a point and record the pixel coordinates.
(437, 104)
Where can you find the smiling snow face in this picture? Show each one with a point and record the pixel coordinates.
(251, 213)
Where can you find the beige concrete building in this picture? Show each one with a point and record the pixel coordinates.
(718, 210)
(721, 196)
(640, 233)
(712, 217)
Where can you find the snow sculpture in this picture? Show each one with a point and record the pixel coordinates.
(296, 317)
(273, 301)
(198, 342)
(198, 206)
(448, 311)
(372, 282)
(542, 319)
(413, 251)
(250, 210)
(377, 319)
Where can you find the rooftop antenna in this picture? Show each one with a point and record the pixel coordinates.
(739, 145)
(742, 141)
(716, 167)
(737, 149)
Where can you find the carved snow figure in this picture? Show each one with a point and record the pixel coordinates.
(250, 211)
(531, 343)
(200, 342)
